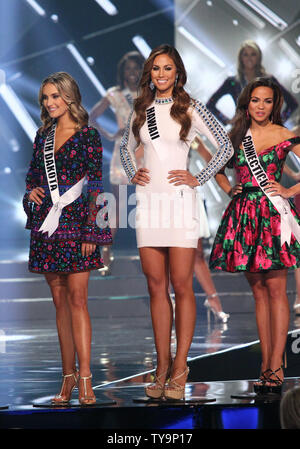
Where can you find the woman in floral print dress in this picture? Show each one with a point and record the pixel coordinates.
(65, 235)
(249, 236)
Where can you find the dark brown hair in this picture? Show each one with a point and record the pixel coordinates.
(130, 56)
(242, 120)
(146, 95)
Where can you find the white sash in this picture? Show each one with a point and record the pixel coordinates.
(289, 224)
(50, 223)
(154, 133)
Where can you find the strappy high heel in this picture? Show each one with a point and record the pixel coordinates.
(259, 386)
(62, 398)
(274, 385)
(86, 400)
(156, 389)
(220, 316)
(174, 390)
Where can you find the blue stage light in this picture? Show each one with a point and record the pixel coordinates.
(240, 418)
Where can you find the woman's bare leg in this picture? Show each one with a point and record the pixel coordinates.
(156, 269)
(203, 275)
(58, 287)
(263, 317)
(182, 262)
(81, 325)
(276, 282)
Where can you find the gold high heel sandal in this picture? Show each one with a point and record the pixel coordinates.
(156, 389)
(61, 398)
(86, 400)
(174, 390)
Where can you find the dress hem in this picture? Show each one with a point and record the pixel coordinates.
(66, 272)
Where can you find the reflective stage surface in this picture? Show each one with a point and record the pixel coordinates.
(222, 359)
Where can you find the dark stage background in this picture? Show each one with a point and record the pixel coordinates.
(35, 43)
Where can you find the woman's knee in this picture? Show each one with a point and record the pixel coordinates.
(77, 298)
(156, 284)
(182, 286)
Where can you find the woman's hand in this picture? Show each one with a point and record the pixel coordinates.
(182, 177)
(141, 177)
(87, 249)
(236, 190)
(36, 195)
(274, 189)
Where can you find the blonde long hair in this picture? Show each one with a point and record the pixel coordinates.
(70, 93)
(259, 69)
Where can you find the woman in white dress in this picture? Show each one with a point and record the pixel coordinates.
(165, 120)
(120, 98)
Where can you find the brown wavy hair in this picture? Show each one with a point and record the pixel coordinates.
(179, 109)
(241, 122)
(70, 93)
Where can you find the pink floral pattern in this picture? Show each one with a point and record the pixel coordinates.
(248, 238)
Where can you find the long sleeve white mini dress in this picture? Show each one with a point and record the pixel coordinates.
(167, 215)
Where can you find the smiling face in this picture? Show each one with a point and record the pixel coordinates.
(132, 73)
(261, 104)
(163, 75)
(53, 101)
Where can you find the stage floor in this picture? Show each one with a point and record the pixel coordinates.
(122, 346)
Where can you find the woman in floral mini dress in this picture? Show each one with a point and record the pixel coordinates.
(249, 237)
(66, 232)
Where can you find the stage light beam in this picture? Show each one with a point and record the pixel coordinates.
(84, 65)
(201, 47)
(17, 108)
(243, 11)
(37, 8)
(108, 7)
(267, 14)
(142, 45)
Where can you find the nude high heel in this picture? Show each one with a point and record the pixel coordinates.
(85, 399)
(173, 390)
(156, 389)
(64, 399)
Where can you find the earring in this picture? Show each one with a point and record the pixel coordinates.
(247, 114)
(151, 85)
(176, 79)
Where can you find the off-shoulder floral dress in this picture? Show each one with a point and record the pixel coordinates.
(80, 155)
(248, 238)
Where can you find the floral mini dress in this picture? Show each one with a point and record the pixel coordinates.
(248, 238)
(79, 156)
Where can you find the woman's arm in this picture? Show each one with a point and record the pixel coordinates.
(95, 228)
(96, 112)
(291, 103)
(127, 149)
(224, 89)
(33, 193)
(204, 122)
(275, 188)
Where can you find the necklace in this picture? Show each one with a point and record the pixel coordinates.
(163, 100)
